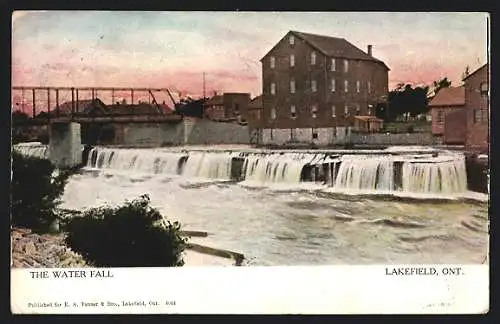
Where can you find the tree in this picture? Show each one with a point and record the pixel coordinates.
(406, 101)
(35, 191)
(466, 72)
(438, 85)
(19, 116)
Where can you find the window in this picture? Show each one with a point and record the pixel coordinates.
(314, 135)
(314, 111)
(333, 85)
(236, 108)
(273, 88)
(370, 107)
(357, 86)
(484, 89)
(313, 58)
(273, 113)
(358, 110)
(477, 116)
(293, 112)
(292, 86)
(292, 60)
(346, 66)
(272, 62)
(480, 116)
(334, 111)
(439, 116)
(369, 87)
(291, 40)
(346, 110)
(346, 86)
(333, 67)
(314, 86)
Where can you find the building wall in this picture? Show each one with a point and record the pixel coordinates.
(304, 73)
(477, 138)
(455, 127)
(437, 125)
(235, 103)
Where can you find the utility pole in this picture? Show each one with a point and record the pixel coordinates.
(203, 85)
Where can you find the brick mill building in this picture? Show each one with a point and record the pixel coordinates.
(313, 86)
(476, 87)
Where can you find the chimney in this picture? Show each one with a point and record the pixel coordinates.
(370, 50)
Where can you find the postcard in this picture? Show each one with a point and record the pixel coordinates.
(250, 162)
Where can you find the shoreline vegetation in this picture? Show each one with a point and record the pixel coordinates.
(131, 235)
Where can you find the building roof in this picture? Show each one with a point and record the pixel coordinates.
(479, 69)
(452, 96)
(80, 106)
(215, 100)
(368, 118)
(335, 47)
(256, 103)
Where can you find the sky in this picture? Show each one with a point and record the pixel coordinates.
(173, 49)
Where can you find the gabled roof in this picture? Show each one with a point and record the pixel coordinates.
(256, 103)
(333, 47)
(80, 106)
(452, 96)
(215, 101)
(479, 69)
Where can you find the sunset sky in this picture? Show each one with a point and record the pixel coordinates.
(172, 49)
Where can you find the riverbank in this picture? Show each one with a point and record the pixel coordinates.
(31, 250)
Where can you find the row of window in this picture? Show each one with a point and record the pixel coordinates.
(333, 62)
(480, 116)
(333, 86)
(314, 111)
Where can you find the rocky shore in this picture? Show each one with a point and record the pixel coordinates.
(31, 250)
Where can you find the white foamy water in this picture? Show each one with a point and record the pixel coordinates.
(274, 217)
(35, 149)
(284, 225)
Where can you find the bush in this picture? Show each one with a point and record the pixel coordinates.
(35, 192)
(132, 235)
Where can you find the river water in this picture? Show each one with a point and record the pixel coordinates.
(357, 215)
(290, 222)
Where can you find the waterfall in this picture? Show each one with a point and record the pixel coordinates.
(435, 177)
(269, 168)
(35, 149)
(136, 160)
(409, 172)
(210, 165)
(366, 173)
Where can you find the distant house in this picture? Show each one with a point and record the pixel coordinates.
(138, 109)
(448, 115)
(367, 124)
(255, 112)
(477, 94)
(230, 105)
(80, 106)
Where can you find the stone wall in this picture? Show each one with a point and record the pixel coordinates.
(202, 131)
(341, 136)
(189, 131)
